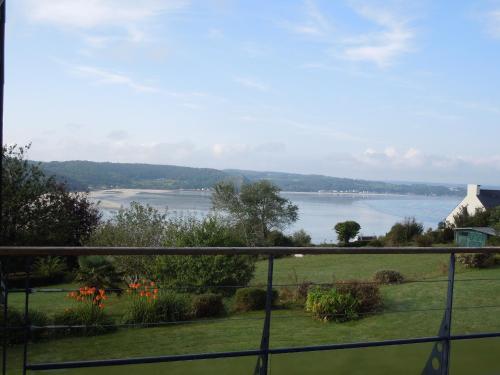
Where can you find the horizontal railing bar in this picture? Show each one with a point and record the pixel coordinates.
(277, 251)
(246, 353)
(140, 360)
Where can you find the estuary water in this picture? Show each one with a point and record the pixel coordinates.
(318, 212)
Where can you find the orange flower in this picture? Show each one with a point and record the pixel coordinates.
(155, 291)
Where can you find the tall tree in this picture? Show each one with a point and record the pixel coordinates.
(347, 230)
(257, 208)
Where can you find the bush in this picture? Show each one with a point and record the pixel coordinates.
(367, 294)
(94, 321)
(173, 307)
(476, 260)
(404, 232)
(207, 305)
(249, 299)
(388, 277)
(98, 272)
(424, 240)
(206, 273)
(15, 319)
(49, 267)
(331, 305)
(377, 242)
(168, 307)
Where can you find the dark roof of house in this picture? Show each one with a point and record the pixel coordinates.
(489, 198)
(485, 230)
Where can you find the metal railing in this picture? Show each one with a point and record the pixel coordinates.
(438, 362)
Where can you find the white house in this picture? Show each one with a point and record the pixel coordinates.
(476, 198)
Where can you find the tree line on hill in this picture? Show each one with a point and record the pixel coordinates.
(84, 175)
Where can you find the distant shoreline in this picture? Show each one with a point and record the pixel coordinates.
(133, 191)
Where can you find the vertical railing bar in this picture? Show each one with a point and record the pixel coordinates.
(5, 324)
(445, 361)
(263, 362)
(27, 324)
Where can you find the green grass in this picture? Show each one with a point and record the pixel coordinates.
(293, 327)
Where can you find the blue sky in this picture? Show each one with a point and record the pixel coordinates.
(392, 90)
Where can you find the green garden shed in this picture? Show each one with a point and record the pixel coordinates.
(473, 237)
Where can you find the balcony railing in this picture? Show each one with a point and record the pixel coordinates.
(438, 360)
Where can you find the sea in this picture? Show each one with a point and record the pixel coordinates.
(318, 212)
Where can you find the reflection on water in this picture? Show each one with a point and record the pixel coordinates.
(318, 212)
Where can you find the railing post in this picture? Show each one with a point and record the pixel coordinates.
(263, 361)
(445, 362)
(4, 294)
(27, 323)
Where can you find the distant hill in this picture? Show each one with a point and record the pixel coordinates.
(87, 175)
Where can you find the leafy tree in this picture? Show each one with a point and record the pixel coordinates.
(404, 232)
(347, 231)
(257, 208)
(36, 210)
(301, 238)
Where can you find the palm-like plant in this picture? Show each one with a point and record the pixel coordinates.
(98, 272)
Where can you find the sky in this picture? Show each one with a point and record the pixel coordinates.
(386, 90)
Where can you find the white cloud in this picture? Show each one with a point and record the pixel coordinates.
(252, 83)
(315, 23)
(102, 22)
(102, 76)
(493, 22)
(392, 35)
(88, 14)
(393, 38)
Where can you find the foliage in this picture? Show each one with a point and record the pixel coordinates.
(331, 305)
(424, 240)
(98, 272)
(85, 319)
(136, 226)
(154, 307)
(50, 267)
(39, 211)
(388, 277)
(404, 232)
(249, 299)
(257, 208)
(207, 305)
(367, 294)
(347, 231)
(16, 319)
(202, 273)
(89, 295)
(301, 238)
(476, 260)
(377, 242)
(278, 238)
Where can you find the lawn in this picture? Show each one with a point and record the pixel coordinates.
(404, 316)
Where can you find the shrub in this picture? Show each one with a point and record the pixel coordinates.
(167, 306)
(424, 240)
(476, 260)
(173, 307)
(49, 267)
(331, 305)
(15, 319)
(388, 277)
(367, 294)
(404, 232)
(207, 305)
(249, 299)
(377, 242)
(89, 320)
(204, 273)
(98, 271)
(301, 238)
